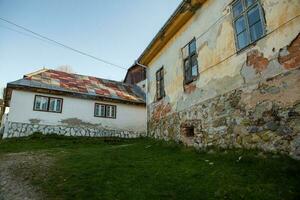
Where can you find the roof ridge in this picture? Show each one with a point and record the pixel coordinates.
(121, 82)
(36, 72)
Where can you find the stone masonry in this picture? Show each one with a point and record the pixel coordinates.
(262, 116)
(14, 129)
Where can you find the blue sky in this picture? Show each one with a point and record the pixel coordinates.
(114, 30)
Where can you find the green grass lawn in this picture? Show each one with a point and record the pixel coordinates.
(90, 168)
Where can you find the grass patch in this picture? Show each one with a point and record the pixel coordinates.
(92, 168)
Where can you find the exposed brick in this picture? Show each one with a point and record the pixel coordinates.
(190, 88)
(291, 60)
(257, 60)
(161, 110)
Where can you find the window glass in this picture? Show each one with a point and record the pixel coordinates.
(242, 40)
(55, 105)
(41, 103)
(249, 2)
(113, 109)
(100, 110)
(186, 64)
(253, 16)
(97, 110)
(194, 70)
(110, 111)
(240, 25)
(237, 8)
(192, 47)
(256, 31)
(160, 83)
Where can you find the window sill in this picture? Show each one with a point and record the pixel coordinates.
(191, 81)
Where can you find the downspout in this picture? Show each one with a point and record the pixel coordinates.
(147, 86)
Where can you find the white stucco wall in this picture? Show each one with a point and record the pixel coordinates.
(128, 117)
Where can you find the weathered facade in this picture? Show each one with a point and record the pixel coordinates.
(238, 97)
(1, 109)
(136, 75)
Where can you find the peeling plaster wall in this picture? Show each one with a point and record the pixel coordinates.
(217, 45)
(222, 69)
(75, 113)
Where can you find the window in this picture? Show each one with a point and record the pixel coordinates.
(248, 22)
(106, 111)
(47, 104)
(191, 63)
(160, 90)
(187, 131)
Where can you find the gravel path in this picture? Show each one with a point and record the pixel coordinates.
(16, 172)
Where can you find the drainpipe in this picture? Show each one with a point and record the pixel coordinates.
(147, 85)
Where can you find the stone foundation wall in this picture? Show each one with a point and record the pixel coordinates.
(263, 116)
(14, 129)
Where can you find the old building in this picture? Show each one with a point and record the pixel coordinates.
(226, 73)
(1, 109)
(136, 75)
(51, 101)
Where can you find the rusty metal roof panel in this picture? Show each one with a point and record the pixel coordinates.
(81, 84)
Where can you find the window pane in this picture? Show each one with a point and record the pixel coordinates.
(237, 8)
(38, 103)
(109, 111)
(195, 70)
(52, 105)
(102, 110)
(249, 2)
(161, 74)
(256, 31)
(113, 108)
(41, 103)
(55, 105)
(194, 66)
(242, 40)
(186, 64)
(96, 110)
(192, 47)
(157, 75)
(162, 88)
(253, 16)
(240, 25)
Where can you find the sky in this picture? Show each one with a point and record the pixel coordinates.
(114, 30)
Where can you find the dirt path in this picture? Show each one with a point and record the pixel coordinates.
(16, 172)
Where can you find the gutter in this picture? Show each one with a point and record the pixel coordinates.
(179, 9)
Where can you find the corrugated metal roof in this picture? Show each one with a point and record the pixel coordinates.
(81, 84)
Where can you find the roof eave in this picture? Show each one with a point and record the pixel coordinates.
(178, 19)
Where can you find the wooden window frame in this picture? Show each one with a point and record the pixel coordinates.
(105, 107)
(160, 85)
(188, 59)
(48, 105)
(243, 14)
